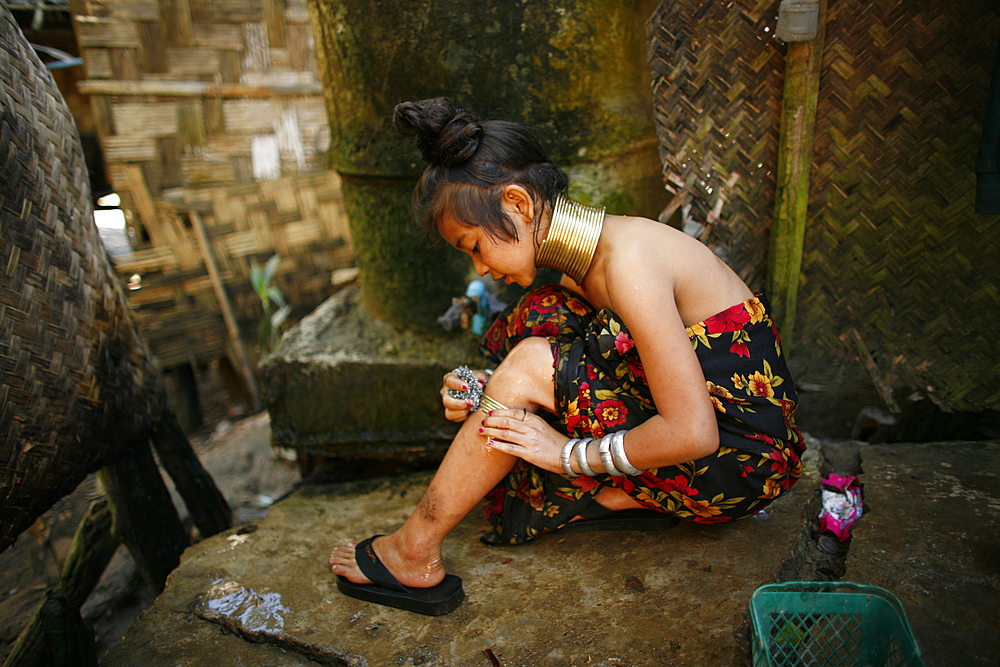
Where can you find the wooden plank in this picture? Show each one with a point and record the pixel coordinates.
(95, 31)
(222, 36)
(249, 377)
(191, 124)
(135, 183)
(124, 66)
(177, 25)
(228, 144)
(145, 119)
(133, 10)
(199, 172)
(123, 85)
(169, 166)
(97, 63)
(128, 149)
(152, 46)
(100, 107)
(274, 19)
(249, 116)
(193, 61)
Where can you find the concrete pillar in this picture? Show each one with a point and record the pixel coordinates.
(575, 70)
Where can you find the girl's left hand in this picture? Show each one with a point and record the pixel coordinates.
(525, 435)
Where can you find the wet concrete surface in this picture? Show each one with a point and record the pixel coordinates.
(262, 593)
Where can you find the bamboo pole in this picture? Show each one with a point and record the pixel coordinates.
(227, 311)
(92, 549)
(791, 197)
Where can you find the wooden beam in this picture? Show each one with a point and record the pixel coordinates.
(249, 376)
(88, 557)
(144, 517)
(208, 507)
(194, 89)
(791, 197)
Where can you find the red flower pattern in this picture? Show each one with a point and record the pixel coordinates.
(760, 443)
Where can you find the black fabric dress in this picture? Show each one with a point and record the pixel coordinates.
(600, 388)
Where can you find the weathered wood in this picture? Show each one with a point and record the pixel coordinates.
(90, 553)
(791, 197)
(88, 557)
(68, 641)
(208, 507)
(194, 88)
(145, 519)
(250, 377)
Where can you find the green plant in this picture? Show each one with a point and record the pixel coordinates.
(270, 297)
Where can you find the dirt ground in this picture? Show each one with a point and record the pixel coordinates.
(237, 453)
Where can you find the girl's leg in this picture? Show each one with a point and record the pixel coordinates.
(467, 473)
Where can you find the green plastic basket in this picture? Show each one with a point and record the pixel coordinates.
(807, 623)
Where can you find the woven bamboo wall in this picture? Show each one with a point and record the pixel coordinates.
(717, 79)
(894, 249)
(898, 269)
(213, 107)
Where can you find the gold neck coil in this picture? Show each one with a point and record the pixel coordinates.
(572, 238)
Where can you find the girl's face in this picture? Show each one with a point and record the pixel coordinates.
(510, 261)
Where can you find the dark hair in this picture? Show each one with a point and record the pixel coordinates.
(469, 163)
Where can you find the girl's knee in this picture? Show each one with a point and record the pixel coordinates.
(527, 370)
(531, 356)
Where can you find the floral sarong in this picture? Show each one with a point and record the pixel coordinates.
(600, 388)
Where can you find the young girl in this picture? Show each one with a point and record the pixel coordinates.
(661, 373)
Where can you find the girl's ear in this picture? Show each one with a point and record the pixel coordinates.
(518, 202)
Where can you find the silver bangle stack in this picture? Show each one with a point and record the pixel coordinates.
(612, 449)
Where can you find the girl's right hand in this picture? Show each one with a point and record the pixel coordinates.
(457, 410)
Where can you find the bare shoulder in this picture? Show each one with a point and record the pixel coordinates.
(657, 258)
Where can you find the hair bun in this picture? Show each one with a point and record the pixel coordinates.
(446, 134)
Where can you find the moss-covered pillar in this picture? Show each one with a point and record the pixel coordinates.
(575, 70)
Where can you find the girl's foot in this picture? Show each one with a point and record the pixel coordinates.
(412, 567)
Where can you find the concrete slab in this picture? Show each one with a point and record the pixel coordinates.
(931, 536)
(613, 599)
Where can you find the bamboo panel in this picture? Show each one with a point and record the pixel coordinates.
(107, 33)
(222, 36)
(187, 62)
(248, 116)
(144, 119)
(898, 270)
(242, 224)
(717, 92)
(896, 258)
(128, 148)
(98, 63)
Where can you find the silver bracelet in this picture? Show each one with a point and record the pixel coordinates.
(567, 451)
(581, 457)
(606, 458)
(474, 394)
(618, 454)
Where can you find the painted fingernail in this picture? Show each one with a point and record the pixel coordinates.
(465, 387)
(489, 442)
(469, 403)
(490, 413)
(480, 429)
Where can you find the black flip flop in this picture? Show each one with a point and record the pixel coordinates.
(386, 589)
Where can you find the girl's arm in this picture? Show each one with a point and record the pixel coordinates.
(642, 287)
